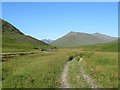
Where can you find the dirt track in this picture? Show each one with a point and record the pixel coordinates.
(64, 76)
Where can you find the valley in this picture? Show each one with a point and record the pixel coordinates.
(31, 63)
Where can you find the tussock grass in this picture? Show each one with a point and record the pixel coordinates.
(75, 78)
(36, 71)
(103, 67)
(44, 69)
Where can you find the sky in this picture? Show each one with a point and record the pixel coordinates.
(60, 0)
(51, 20)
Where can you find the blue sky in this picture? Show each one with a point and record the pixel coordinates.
(52, 20)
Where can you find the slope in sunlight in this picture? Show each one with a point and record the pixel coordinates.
(105, 47)
(13, 38)
(74, 39)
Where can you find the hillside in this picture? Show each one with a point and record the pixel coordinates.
(12, 38)
(104, 37)
(75, 39)
(106, 47)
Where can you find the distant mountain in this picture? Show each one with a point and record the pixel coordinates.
(74, 39)
(14, 38)
(48, 41)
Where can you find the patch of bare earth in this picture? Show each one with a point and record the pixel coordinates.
(64, 76)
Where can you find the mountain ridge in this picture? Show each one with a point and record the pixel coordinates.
(74, 39)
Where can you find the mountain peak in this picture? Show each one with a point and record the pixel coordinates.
(73, 33)
(97, 33)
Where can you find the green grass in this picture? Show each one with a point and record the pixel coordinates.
(44, 69)
(35, 71)
(18, 42)
(106, 47)
(103, 67)
(75, 78)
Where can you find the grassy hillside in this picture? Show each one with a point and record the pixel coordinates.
(74, 39)
(12, 38)
(108, 47)
(106, 38)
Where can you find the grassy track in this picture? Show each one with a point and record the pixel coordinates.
(75, 78)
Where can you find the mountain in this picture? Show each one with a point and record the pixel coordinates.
(75, 39)
(104, 37)
(48, 41)
(13, 38)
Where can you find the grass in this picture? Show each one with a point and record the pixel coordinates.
(44, 69)
(103, 67)
(21, 42)
(106, 47)
(35, 71)
(75, 78)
